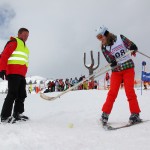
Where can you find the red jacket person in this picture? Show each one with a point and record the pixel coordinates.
(14, 65)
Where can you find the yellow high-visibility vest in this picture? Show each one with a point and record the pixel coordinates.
(20, 55)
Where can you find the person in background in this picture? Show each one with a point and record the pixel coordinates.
(91, 84)
(67, 84)
(74, 82)
(50, 85)
(14, 66)
(85, 84)
(61, 85)
(53, 86)
(80, 87)
(71, 82)
(107, 78)
(56, 85)
(30, 88)
(95, 84)
(114, 47)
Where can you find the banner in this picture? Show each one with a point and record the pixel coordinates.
(145, 76)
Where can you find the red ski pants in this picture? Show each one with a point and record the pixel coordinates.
(127, 76)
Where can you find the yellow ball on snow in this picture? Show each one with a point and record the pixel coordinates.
(70, 125)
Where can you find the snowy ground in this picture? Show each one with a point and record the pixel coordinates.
(50, 124)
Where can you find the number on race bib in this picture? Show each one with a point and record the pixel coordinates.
(119, 54)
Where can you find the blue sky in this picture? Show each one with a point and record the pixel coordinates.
(62, 30)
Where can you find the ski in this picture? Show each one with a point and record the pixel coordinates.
(96, 74)
(108, 127)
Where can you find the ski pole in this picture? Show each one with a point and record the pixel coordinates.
(143, 54)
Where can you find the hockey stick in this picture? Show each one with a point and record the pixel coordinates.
(42, 95)
(143, 54)
(96, 74)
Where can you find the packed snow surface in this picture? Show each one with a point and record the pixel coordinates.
(72, 123)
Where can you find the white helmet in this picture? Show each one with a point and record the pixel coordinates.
(101, 30)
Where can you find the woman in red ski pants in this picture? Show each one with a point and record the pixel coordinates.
(114, 47)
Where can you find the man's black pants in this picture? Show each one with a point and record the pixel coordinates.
(16, 95)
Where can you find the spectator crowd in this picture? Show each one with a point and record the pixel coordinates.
(59, 85)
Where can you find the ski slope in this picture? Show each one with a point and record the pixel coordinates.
(71, 123)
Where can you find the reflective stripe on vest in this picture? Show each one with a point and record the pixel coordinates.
(20, 55)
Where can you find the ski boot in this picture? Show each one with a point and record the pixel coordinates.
(19, 117)
(134, 118)
(104, 118)
(6, 119)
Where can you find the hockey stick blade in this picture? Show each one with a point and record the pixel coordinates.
(43, 96)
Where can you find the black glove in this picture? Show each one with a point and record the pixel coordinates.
(113, 63)
(3, 74)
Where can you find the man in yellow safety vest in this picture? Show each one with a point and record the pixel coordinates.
(13, 67)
